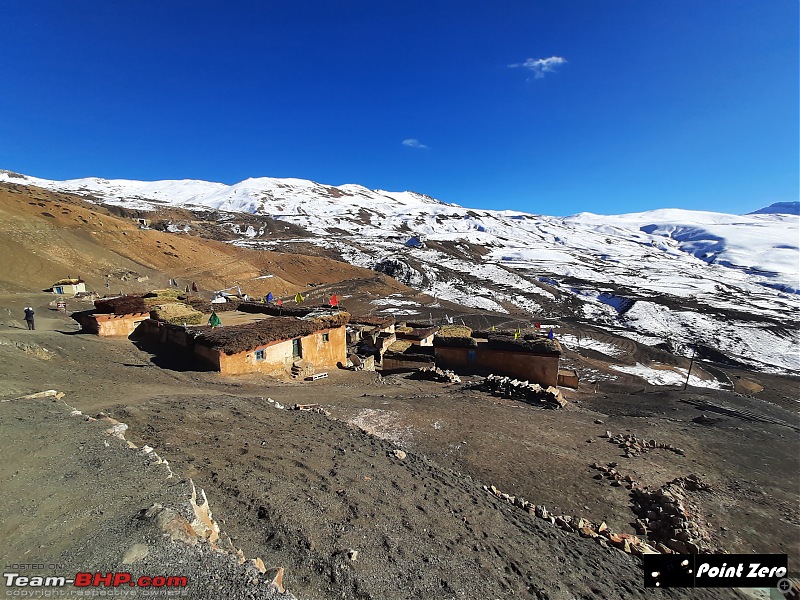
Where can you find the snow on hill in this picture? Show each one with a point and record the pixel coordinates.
(729, 282)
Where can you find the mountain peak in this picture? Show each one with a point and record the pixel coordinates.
(779, 208)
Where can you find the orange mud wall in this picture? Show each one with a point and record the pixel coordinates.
(278, 355)
(536, 368)
(112, 325)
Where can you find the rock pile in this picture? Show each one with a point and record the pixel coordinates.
(617, 479)
(626, 542)
(633, 445)
(668, 517)
(436, 374)
(532, 393)
(315, 408)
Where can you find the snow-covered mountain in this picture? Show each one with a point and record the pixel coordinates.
(728, 282)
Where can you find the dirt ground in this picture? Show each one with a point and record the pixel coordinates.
(304, 491)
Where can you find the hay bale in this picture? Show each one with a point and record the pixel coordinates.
(177, 313)
(373, 320)
(537, 345)
(167, 293)
(454, 331)
(454, 342)
(121, 305)
(399, 346)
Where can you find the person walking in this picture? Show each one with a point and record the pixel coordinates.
(29, 317)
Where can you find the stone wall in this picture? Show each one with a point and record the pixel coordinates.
(527, 366)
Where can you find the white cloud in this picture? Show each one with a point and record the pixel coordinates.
(540, 66)
(412, 143)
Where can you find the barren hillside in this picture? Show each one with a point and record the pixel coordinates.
(49, 235)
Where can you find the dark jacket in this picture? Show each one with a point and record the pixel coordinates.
(29, 314)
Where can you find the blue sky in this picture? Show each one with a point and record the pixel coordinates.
(552, 107)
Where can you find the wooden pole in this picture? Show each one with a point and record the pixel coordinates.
(691, 362)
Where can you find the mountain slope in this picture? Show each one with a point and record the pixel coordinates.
(49, 235)
(727, 283)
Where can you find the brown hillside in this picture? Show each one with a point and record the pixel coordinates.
(46, 236)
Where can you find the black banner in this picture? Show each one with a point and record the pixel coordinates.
(714, 570)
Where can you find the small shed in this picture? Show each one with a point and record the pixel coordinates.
(69, 286)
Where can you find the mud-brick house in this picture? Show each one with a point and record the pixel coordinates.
(530, 358)
(118, 316)
(298, 346)
(418, 336)
(69, 286)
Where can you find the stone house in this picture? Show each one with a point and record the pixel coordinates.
(278, 345)
(113, 317)
(535, 359)
(69, 286)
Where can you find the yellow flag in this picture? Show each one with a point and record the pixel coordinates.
(517, 334)
(492, 327)
(299, 297)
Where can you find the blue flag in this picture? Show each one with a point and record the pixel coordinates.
(269, 297)
(550, 335)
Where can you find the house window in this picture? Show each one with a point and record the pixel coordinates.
(296, 349)
(259, 355)
(326, 337)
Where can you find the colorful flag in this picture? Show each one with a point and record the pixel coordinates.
(298, 297)
(279, 302)
(550, 335)
(334, 301)
(214, 320)
(538, 325)
(517, 334)
(268, 298)
(492, 327)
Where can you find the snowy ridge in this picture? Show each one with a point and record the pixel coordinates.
(727, 281)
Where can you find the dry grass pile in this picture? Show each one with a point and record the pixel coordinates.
(456, 331)
(399, 346)
(454, 342)
(161, 297)
(454, 336)
(205, 306)
(69, 281)
(527, 343)
(279, 311)
(121, 305)
(373, 320)
(240, 338)
(177, 313)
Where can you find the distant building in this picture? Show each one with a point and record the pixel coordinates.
(69, 286)
(534, 360)
(418, 336)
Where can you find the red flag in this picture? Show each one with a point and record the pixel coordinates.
(334, 301)
(279, 302)
(194, 286)
(538, 325)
